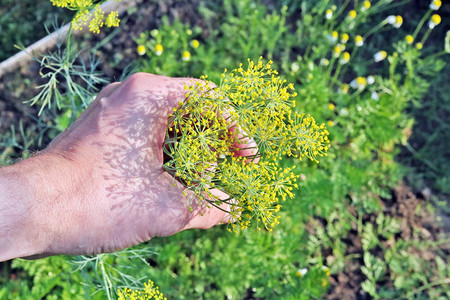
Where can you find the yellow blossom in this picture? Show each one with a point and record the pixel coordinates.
(365, 5)
(344, 38)
(186, 56)
(337, 51)
(379, 56)
(83, 14)
(159, 49)
(419, 46)
(344, 88)
(150, 291)
(331, 106)
(409, 39)
(345, 58)
(352, 14)
(328, 14)
(140, 50)
(435, 4)
(201, 156)
(195, 44)
(434, 21)
(359, 41)
(359, 83)
(398, 21)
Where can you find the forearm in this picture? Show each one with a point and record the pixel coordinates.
(17, 234)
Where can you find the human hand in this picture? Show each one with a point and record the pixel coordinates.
(100, 185)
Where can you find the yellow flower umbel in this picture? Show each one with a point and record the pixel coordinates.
(86, 11)
(149, 292)
(250, 106)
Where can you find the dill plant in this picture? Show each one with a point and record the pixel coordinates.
(206, 132)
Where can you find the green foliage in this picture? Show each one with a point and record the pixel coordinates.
(30, 13)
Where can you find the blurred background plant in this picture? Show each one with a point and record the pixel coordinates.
(376, 73)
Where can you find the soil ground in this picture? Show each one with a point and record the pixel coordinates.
(119, 52)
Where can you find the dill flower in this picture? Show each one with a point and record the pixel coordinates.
(435, 4)
(328, 14)
(186, 56)
(380, 55)
(195, 44)
(358, 83)
(202, 152)
(434, 21)
(140, 50)
(332, 38)
(344, 38)
(112, 20)
(159, 49)
(359, 41)
(352, 14)
(365, 5)
(97, 21)
(409, 39)
(150, 291)
(345, 58)
(82, 16)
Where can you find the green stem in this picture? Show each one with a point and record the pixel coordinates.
(445, 281)
(422, 21)
(339, 12)
(69, 35)
(373, 30)
(336, 74)
(425, 37)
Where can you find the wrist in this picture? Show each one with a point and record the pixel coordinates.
(34, 213)
(17, 237)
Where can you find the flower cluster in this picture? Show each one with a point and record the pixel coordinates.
(87, 11)
(249, 112)
(150, 291)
